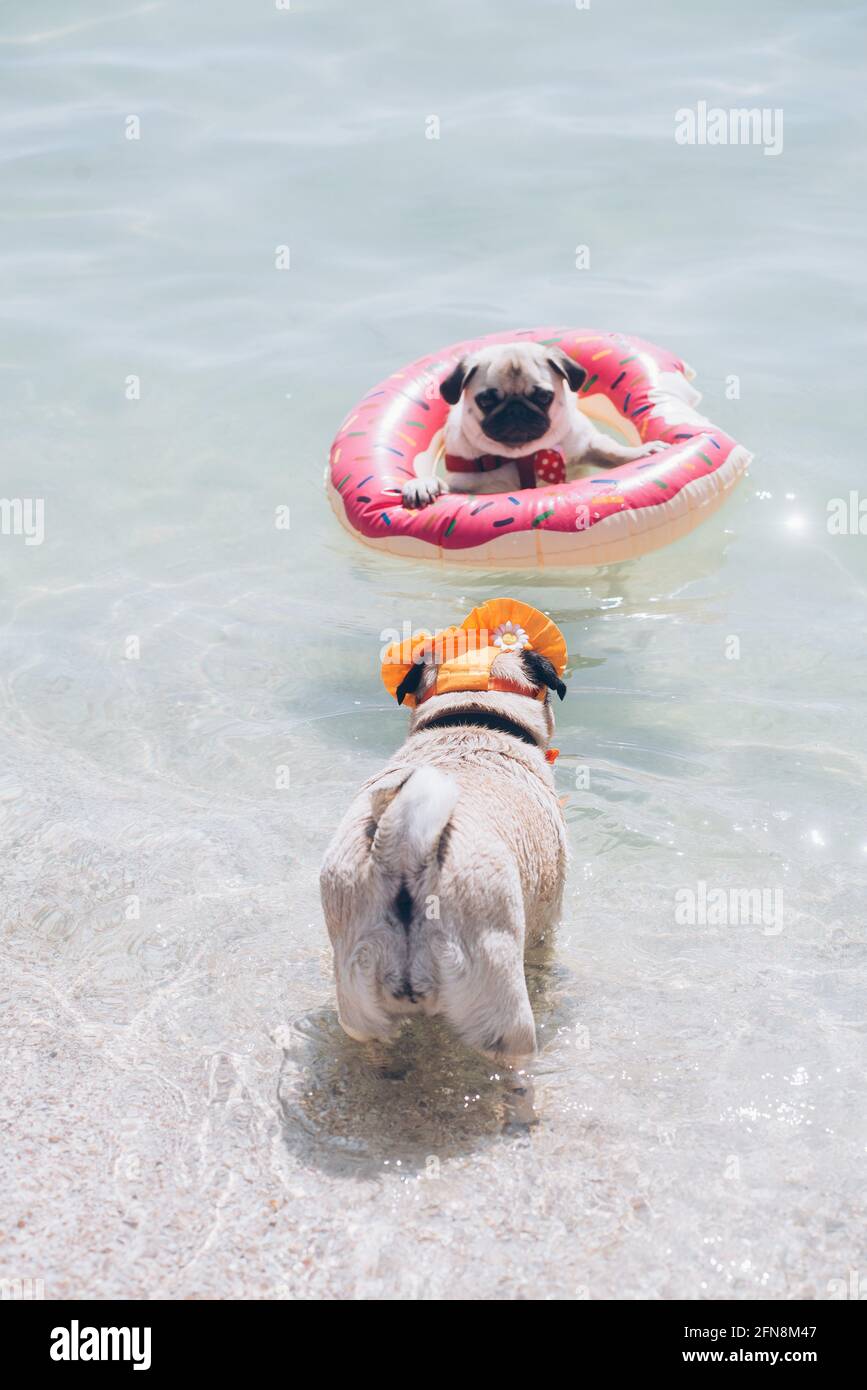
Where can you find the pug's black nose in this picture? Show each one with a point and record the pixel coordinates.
(519, 409)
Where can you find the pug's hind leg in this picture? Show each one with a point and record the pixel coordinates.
(483, 991)
(607, 453)
(519, 1101)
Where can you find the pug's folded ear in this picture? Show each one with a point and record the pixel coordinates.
(566, 367)
(539, 670)
(409, 684)
(451, 388)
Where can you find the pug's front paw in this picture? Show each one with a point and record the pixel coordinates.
(420, 492)
(656, 446)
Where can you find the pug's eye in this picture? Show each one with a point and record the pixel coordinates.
(541, 396)
(486, 400)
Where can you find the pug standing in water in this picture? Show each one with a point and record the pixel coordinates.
(515, 423)
(452, 858)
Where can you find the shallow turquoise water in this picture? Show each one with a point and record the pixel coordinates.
(186, 1117)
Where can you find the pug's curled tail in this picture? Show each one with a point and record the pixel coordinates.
(410, 824)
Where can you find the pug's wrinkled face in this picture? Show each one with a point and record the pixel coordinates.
(513, 396)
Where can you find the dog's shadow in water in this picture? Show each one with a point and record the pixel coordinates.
(361, 1110)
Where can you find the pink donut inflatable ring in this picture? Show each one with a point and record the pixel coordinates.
(395, 433)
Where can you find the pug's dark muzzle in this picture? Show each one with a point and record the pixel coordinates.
(516, 421)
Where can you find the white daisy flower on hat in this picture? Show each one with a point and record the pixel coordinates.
(510, 637)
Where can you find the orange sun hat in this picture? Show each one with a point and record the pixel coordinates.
(464, 655)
